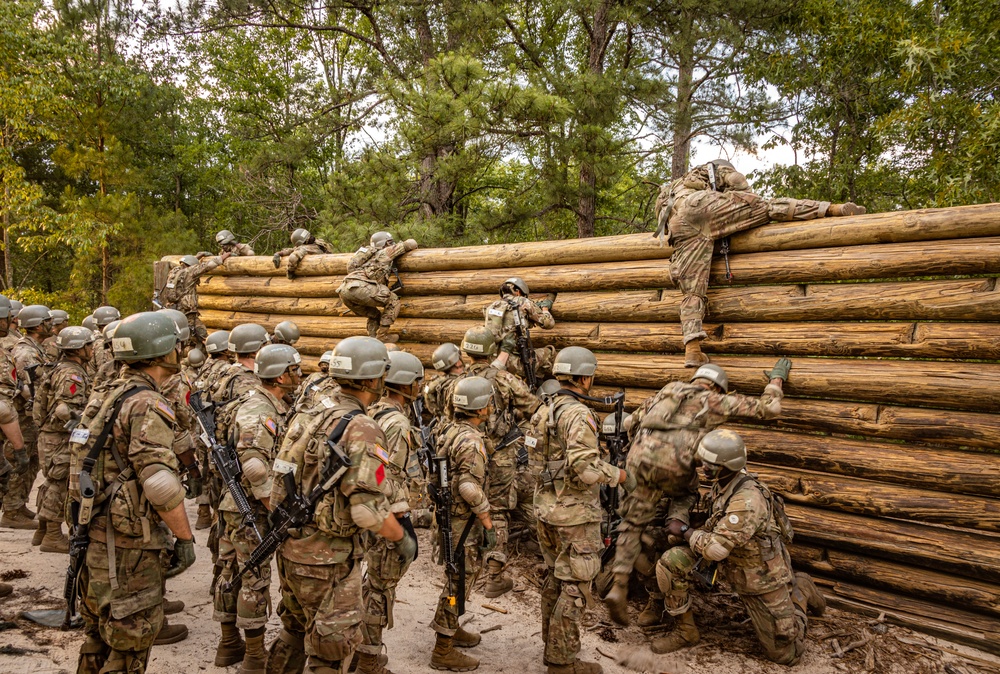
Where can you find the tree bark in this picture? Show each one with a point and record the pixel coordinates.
(685, 92)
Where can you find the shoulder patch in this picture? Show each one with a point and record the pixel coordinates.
(591, 422)
(77, 378)
(166, 410)
(271, 425)
(734, 519)
(381, 453)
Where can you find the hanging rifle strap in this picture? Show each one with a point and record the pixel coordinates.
(724, 249)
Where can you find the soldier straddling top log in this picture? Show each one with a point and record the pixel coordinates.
(707, 205)
(365, 290)
(304, 244)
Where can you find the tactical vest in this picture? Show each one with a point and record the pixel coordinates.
(664, 412)
(171, 293)
(40, 411)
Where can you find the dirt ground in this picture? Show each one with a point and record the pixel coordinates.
(513, 643)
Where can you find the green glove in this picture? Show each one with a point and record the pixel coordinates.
(630, 482)
(21, 462)
(276, 260)
(183, 557)
(780, 370)
(407, 548)
(545, 304)
(193, 487)
(489, 539)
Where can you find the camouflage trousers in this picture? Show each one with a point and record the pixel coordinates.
(247, 601)
(322, 604)
(779, 622)
(662, 472)
(707, 217)
(446, 616)
(205, 497)
(385, 570)
(120, 623)
(374, 301)
(51, 499)
(544, 357)
(199, 332)
(19, 485)
(573, 555)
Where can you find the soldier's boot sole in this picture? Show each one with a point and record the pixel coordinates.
(446, 658)
(617, 601)
(6, 589)
(204, 517)
(497, 586)
(39, 534)
(16, 521)
(693, 356)
(464, 639)
(684, 635)
(577, 667)
(170, 634)
(172, 606)
(848, 208)
(815, 601)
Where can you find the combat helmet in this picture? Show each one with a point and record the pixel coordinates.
(109, 329)
(144, 336)
(106, 314)
(74, 337)
(472, 394)
(274, 359)
(59, 317)
(515, 282)
(714, 374)
(196, 358)
(189, 260)
(723, 447)
(247, 338)
(89, 323)
(380, 240)
(479, 342)
(300, 236)
(34, 315)
(180, 320)
(287, 332)
(225, 237)
(15, 308)
(359, 358)
(404, 369)
(4, 307)
(445, 356)
(574, 361)
(217, 342)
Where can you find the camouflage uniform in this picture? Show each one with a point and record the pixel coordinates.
(50, 349)
(365, 290)
(320, 564)
(671, 423)
(568, 507)
(465, 447)
(511, 400)
(232, 383)
(257, 428)
(316, 387)
(26, 354)
(756, 565)
(102, 356)
(500, 321)
(62, 397)
(238, 250)
(13, 334)
(181, 293)
(177, 390)
(296, 254)
(8, 414)
(700, 217)
(385, 569)
(122, 581)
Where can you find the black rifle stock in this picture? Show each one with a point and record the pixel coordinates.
(225, 459)
(453, 554)
(525, 350)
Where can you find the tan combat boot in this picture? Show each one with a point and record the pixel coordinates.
(170, 634)
(652, 614)
(27, 512)
(36, 538)
(54, 539)
(383, 335)
(849, 208)
(576, 667)
(204, 517)
(172, 606)
(255, 657)
(231, 648)
(683, 635)
(807, 595)
(463, 639)
(15, 520)
(445, 657)
(693, 357)
(617, 600)
(369, 663)
(497, 582)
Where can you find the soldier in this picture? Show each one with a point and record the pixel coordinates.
(29, 359)
(129, 433)
(256, 431)
(708, 204)
(13, 446)
(745, 535)
(181, 290)
(228, 244)
(60, 319)
(365, 289)
(103, 317)
(670, 424)
(13, 332)
(177, 389)
(500, 320)
(568, 507)
(447, 359)
(463, 442)
(513, 403)
(385, 568)
(303, 243)
(59, 404)
(317, 386)
(217, 346)
(103, 376)
(320, 563)
(245, 340)
(89, 323)
(285, 332)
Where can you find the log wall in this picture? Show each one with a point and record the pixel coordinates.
(888, 450)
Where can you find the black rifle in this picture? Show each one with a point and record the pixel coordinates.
(513, 435)
(426, 451)
(454, 555)
(296, 510)
(524, 348)
(225, 459)
(398, 285)
(707, 575)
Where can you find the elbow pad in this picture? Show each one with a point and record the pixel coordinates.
(255, 470)
(772, 407)
(474, 496)
(713, 548)
(365, 517)
(589, 476)
(62, 412)
(161, 487)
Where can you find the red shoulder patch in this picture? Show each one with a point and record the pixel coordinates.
(187, 397)
(380, 474)
(72, 389)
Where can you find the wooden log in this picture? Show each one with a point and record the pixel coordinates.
(971, 554)
(931, 618)
(965, 386)
(932, 258)
(878, 499)
(899, 578)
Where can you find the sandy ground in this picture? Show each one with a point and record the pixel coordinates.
(513, 645)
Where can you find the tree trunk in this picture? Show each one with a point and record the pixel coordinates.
(685, 92)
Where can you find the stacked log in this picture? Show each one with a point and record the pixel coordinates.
(886, 451)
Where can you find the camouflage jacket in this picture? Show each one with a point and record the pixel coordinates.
(513, 401)
(314, 389)
(238, 250)
(740, 532)
(500, 319)
(181, 289)
(465, 448)
(258, 426)
(373, 265)
(570, 493)
(437, 395)
(61, 396)
(177, 389)
(333, 535)
(209, 374)
(102, 353)
(298, 253)
(28, 357)
(232, 383)
(403, 439)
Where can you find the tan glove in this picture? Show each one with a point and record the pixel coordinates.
(410, 244)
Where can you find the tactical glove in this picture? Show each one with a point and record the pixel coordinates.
(21, 461)
(630, 482)
(780, 370)
(183, 557)
(276, 260)
(545, 304)
(489, 539)
(193, 487)
(406, 547)
(290, 274)
(410, 244)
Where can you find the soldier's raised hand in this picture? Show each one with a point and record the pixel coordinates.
(276, 260)
(780, 370)
(410, 244)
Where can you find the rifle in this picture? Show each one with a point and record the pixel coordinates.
(454, 555)
(524, 348)
(297, 510)
(616, 441)
(707, 576)
(398, 285)
(426, 451)
(225, 459)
